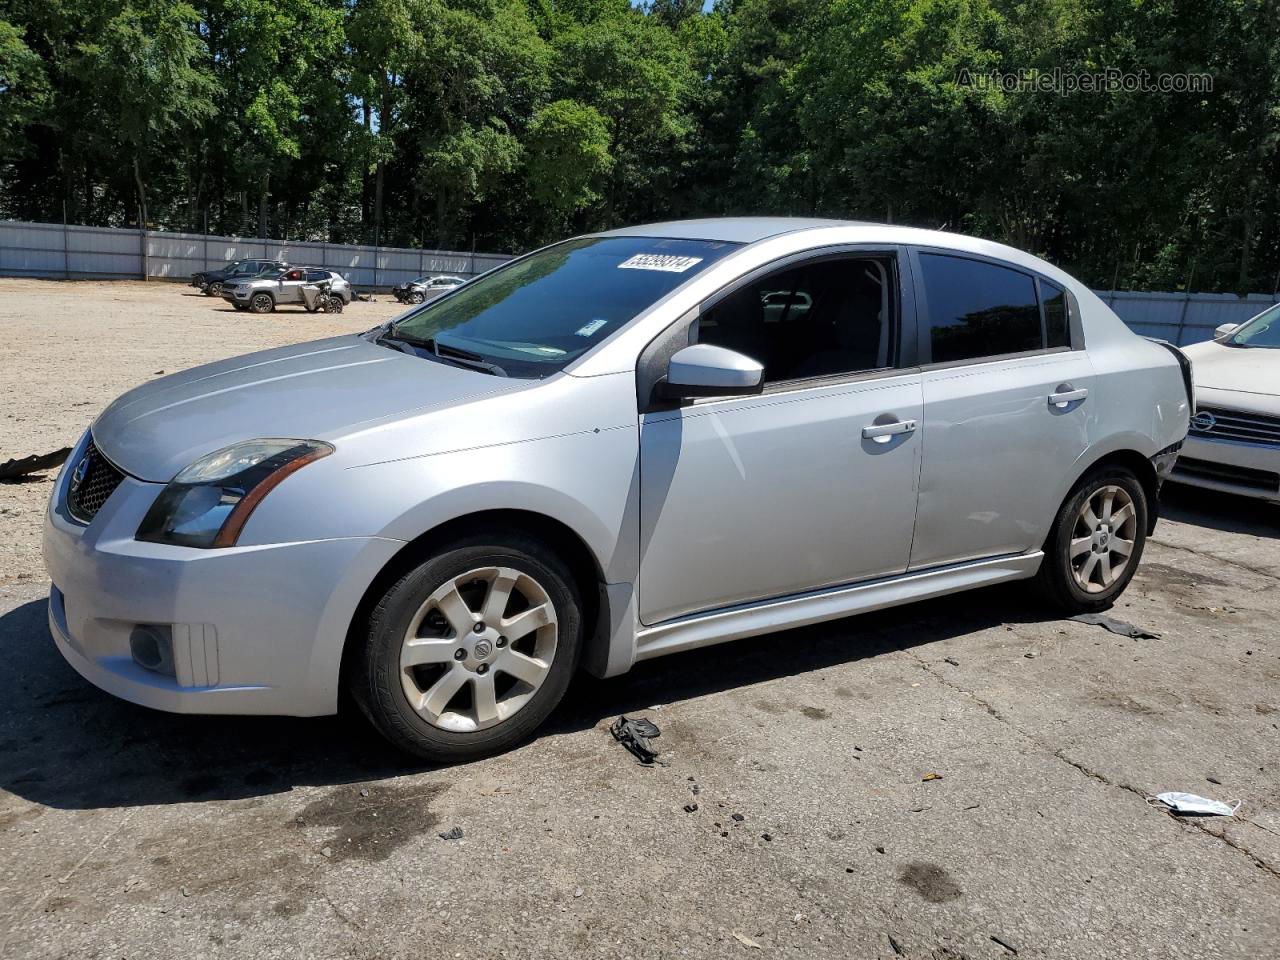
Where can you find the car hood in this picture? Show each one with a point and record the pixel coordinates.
(1244, 370)
(311, 391)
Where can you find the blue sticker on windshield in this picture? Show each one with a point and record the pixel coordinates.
(591, 326)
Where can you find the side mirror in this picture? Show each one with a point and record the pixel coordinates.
(1226, 330)
(704, 370)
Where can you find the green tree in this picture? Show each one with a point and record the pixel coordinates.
(146, 68)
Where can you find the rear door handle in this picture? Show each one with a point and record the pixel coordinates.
(883, 432)
(1064, 397)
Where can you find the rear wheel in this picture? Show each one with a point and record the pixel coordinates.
(468, 653)
(213, 290)
(1096, 543)
(262, 303)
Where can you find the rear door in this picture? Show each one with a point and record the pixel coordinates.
(808, 485)
(1007, 410)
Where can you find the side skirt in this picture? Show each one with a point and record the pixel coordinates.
(749, 620)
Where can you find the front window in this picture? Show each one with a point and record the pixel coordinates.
(534, 316)
(1262, 331)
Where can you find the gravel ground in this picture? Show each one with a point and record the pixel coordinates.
(818, 830)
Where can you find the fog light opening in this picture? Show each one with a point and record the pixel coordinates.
(152, 648)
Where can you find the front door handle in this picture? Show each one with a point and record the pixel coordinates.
(884, 432)
(1065, 395)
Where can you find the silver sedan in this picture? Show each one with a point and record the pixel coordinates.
(615, 448)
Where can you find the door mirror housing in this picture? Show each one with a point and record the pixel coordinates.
(704, 370)
(1225, 330)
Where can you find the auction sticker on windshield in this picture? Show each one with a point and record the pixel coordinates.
(658, 261)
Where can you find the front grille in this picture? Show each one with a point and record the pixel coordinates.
(1215, 423)
(93, 479)
(1261, 480)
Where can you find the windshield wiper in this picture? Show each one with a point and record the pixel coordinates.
(461, 358)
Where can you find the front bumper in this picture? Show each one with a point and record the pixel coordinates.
(236, 295)
(1229, 466)
(257, 629)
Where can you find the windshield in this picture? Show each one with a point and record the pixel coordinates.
(1262, 331)
(534, 316)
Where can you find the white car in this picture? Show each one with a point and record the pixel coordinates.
(1234, 443)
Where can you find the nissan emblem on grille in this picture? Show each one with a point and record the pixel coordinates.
(1203, 421)
(92, 482)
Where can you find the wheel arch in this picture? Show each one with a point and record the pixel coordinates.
(582, 561)
(1139, 464)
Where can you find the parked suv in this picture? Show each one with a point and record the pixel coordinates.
(211, 282)
(425, 288)
(618, 447)
(264, 293)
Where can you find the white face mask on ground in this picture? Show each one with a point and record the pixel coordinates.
(1193, 803)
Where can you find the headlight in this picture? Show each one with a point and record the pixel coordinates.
(207, 504)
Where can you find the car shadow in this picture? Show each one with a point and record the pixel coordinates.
(1227, 512)
(65, 744)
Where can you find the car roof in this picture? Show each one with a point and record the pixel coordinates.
(730, 229)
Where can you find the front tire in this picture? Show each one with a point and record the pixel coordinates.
(1096, 542)
(468, 653)
(213, 290)
(415, 298)
(262, 303)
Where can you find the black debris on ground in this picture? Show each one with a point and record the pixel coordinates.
(453, 833)
(635, 733)
(1115, 626)
(12, 469)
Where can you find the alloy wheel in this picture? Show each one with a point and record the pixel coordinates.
(478, 649)
(1103, 538)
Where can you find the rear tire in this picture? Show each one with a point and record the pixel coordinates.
(1096, 542)
(467, 692)
(262, 303)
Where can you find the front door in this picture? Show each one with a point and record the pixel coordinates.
(808, 485)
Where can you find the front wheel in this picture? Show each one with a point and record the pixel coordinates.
(262, 303)
(213, 290)
(468, 653)
(1096, 543)
(417, 297)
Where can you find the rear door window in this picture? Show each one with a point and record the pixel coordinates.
(978, 309)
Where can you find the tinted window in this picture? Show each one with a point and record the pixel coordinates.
(978, 310)
(1056, 325)
(532, 316)
(315, 276)
(814, 320)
